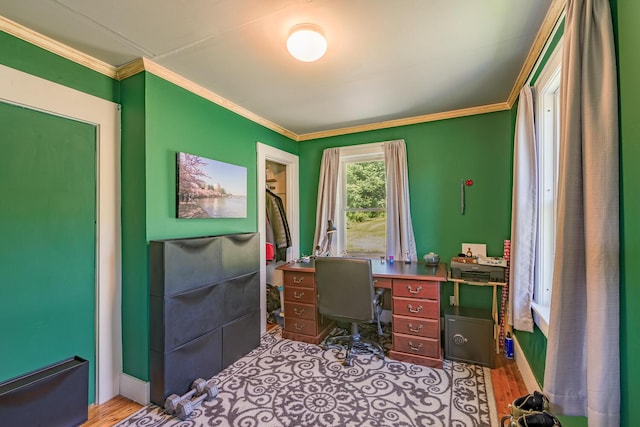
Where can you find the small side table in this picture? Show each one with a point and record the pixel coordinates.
(494, 304)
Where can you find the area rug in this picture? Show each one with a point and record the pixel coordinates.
(290, 383)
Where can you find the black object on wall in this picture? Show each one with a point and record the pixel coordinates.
(204, 308)
(56, 395)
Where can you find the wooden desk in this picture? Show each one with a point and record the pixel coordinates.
(415, 290)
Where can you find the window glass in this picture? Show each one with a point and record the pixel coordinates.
(362, 202)
(547, 118)
(365, 209)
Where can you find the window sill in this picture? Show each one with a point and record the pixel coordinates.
(541, 317)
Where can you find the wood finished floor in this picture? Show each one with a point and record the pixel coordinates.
(506, 379)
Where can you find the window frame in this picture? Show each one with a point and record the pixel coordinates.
(351, 154)
(546, 93)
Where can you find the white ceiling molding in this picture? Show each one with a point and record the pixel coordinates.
(550, 20)
(483, 109)
(53, 46)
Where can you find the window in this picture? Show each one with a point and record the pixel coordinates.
(547, 117)
(362, 202)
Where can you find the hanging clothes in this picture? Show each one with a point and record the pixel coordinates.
(279, 227)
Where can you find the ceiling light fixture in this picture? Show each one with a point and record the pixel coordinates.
(306, 43)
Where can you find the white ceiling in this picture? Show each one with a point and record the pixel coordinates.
(386, 59)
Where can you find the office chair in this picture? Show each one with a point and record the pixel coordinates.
(346, 294)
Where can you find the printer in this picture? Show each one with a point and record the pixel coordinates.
(469, 269)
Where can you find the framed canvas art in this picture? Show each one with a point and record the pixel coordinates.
(208, 188)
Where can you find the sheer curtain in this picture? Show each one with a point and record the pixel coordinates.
(327, 198)
(400, 238)
(582, 375)
(524, 215)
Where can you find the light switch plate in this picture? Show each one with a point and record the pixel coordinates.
(476, 248)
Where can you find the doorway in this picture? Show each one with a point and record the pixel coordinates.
(24, 90)
(287, 184)
(48, 217)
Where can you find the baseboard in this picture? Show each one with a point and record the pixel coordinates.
(134, 389)
(525, 370)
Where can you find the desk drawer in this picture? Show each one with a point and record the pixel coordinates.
(424, 308)
(416, 288)
(428, 328)
(294, 310)
(428, 347)
(382, 282)
(299, 326)
(299, 279)
(303, 295)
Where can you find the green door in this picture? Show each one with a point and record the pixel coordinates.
(47, 241)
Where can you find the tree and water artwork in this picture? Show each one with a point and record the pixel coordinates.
(210, 189)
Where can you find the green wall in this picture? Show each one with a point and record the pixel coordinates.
(625, 15)
(135, 302)
(439, 155)
(534, 348)
(160, 119)
(23, 56)
(177, 120)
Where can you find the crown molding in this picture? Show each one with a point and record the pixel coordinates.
(53, 46)
(178, 80)
(482, 109)
(130, 69)
(143, 64)
(551, 18)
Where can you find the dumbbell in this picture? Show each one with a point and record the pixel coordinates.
(171, 402)
(185, 406)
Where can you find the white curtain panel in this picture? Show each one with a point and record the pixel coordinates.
(524, 215)
(400, 238)
(327, 198)
(582, 375)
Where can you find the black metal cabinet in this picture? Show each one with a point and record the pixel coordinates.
(469, 335)
(204, 308)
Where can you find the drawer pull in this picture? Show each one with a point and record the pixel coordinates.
(412, 310)
(298, 312)
(297, 280)
(414, 348)
(415, 330)
(411, 291)
(297, 295)
(300, 327)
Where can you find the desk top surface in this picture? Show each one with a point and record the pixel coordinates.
(396, 270)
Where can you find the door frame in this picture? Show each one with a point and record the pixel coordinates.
(267, 152)
(26, 90)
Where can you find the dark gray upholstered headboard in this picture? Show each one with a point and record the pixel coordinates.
(204, 308)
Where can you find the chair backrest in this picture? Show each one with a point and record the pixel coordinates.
(345, 288)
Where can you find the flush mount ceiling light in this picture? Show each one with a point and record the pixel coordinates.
(306, 43)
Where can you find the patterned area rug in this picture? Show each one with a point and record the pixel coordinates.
(290, 383)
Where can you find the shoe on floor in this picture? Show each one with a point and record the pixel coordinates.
(538, 419)
(530, 403)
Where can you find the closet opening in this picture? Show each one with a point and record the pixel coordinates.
(278, 225)
(277, 237)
